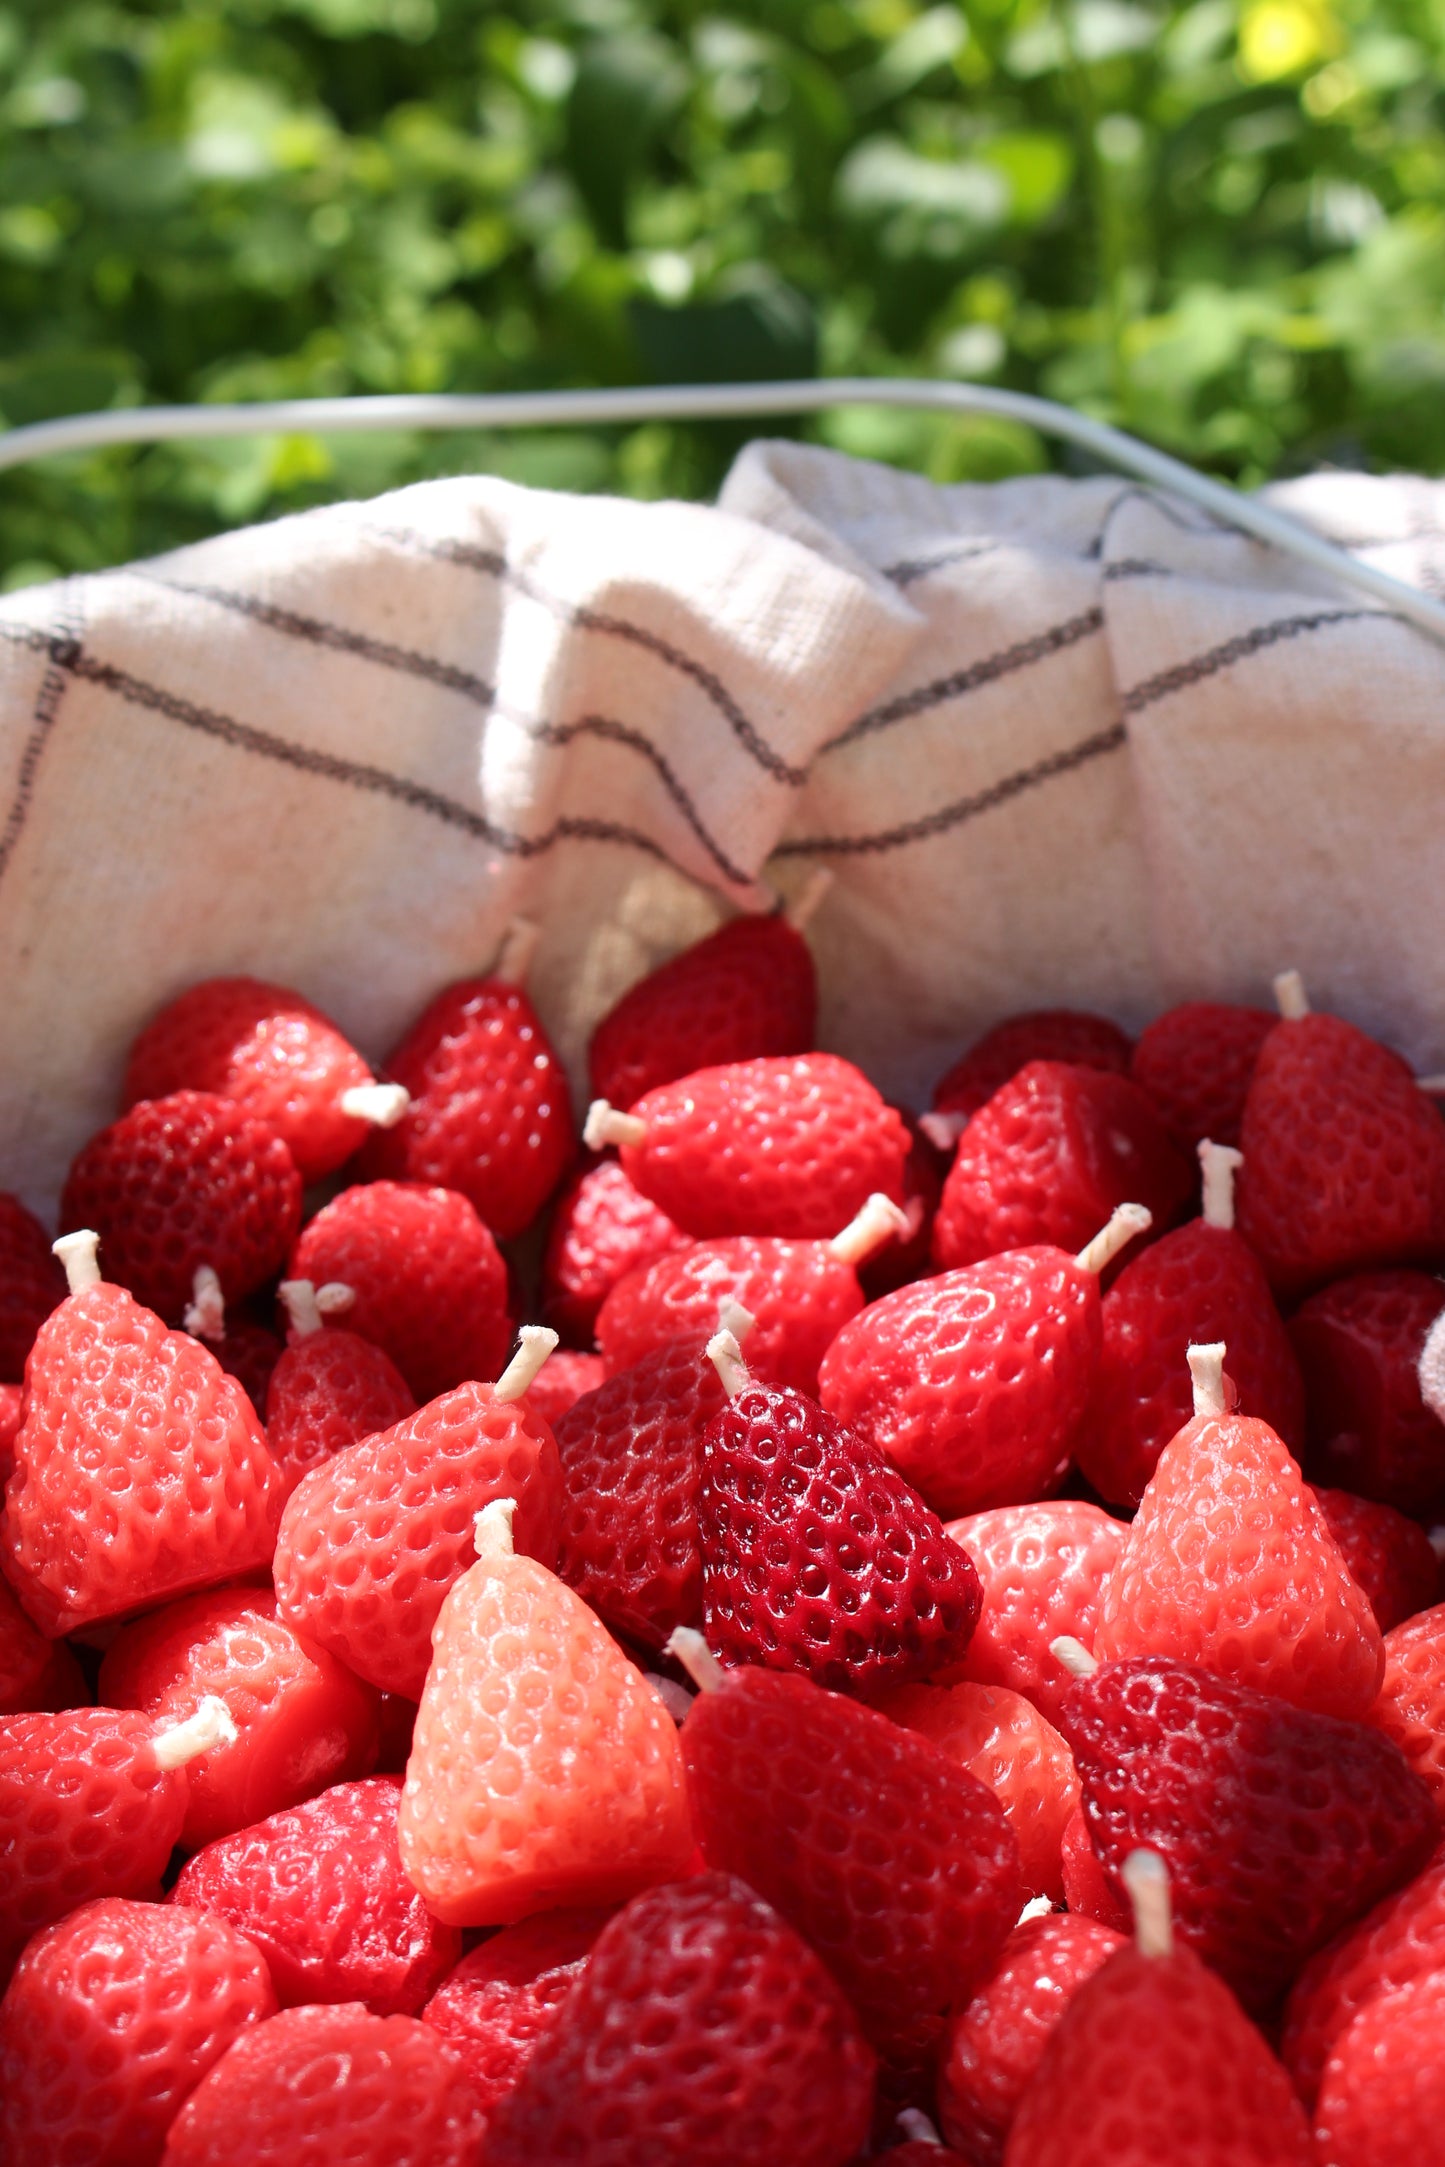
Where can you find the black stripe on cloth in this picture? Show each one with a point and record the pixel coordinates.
(1021, 656)
(1214, 659)
(68, 658)
(293, 624)
(61, 650)
(948, 817)
(494, 565)
(909, 569)
(1137, 568)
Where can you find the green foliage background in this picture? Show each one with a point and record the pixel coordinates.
(1221, 224)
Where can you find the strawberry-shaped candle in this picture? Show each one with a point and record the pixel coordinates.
(140, 1470)
(746, 991)
(791, 1147)
(817, 1556)
(545, 1770)
(1372, 1428)
(602, 1229)
(1278, 1826)
(299, 1718)
(703, 2033)
(1043, 1569)
(1195, 1061)
(1344, 1155)
(898, 1866)
(313, 2087)
(113, 2017)
(1198, 1283)
(1230, 1563)
(91, 1803)
(1410, 1708)
(1154, 2060)
(799, 1295)
(372, 1539)
(320, 1891)
(1038, 1034)
(490, 1114)
(976, 1384)
(496, 2004)
(1383, 2095)
(1389, 1556)
(424, 1277)
(1049, 1157)
(35, 1673)
(328, 1390)
(273, 1053)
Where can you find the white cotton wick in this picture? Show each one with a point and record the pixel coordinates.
(686, 1646)
(335, 1298)
(917, 2128)
(519, 945)
(1146, 1877)
(80, 1254)
(879, 1220)
(205, 1315)
(675, 1697)
(1206, 1369)
(1219, 1163)
(605, 1125)
(804, 906)
(211, 1726)
(492, 1529)
(1074, 1656)
(536, 1342)
(732, 1317)
(1432, 1086)
(1431, 1368)
(943, 1130)
(1435, 1536)
(1125, 1221)
(303, 1312)
(380, 1104)
(726, 1357)
(1037, 1907)
(1290, 997)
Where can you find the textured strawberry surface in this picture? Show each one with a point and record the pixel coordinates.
(1359, 1344)
(1411, 1706)
(35, 1673)
(1049, 1157)
(371, 1540)
(1042, 1569)
(249, 1352)
(1344, 1157)
(895, 1864)
(1277, 1826)
(12, 1414)
(907, 1256)
(1401, 1940)
(1383, 2096)
(1199, 1284)
(429, 1281)
(747, 991)
(183, 1181)
(703, 2033)
(84, 1812)
(545, 1770)
(31, 1283)
(110, 2022)
(1154, 2060)
(318, 2086)
(499, 2000)
(302, 1719)
(792, 1147)
(141, 1470)
(559, 1386)
(1040, 1034)
(490, 1113)
(1004, 1741)
(1086, 1891)
(1229, 1562)
(818, 1557)
(797, 1292)
(321, 1892)
(1195, 1061)
(1389, 1556)
(995, 2045)
(267, 1049)
(328, 1391)
(631, 1455)
(974, 1384)
(602, 1229)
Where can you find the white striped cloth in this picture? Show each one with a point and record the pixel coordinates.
(1059, 741)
